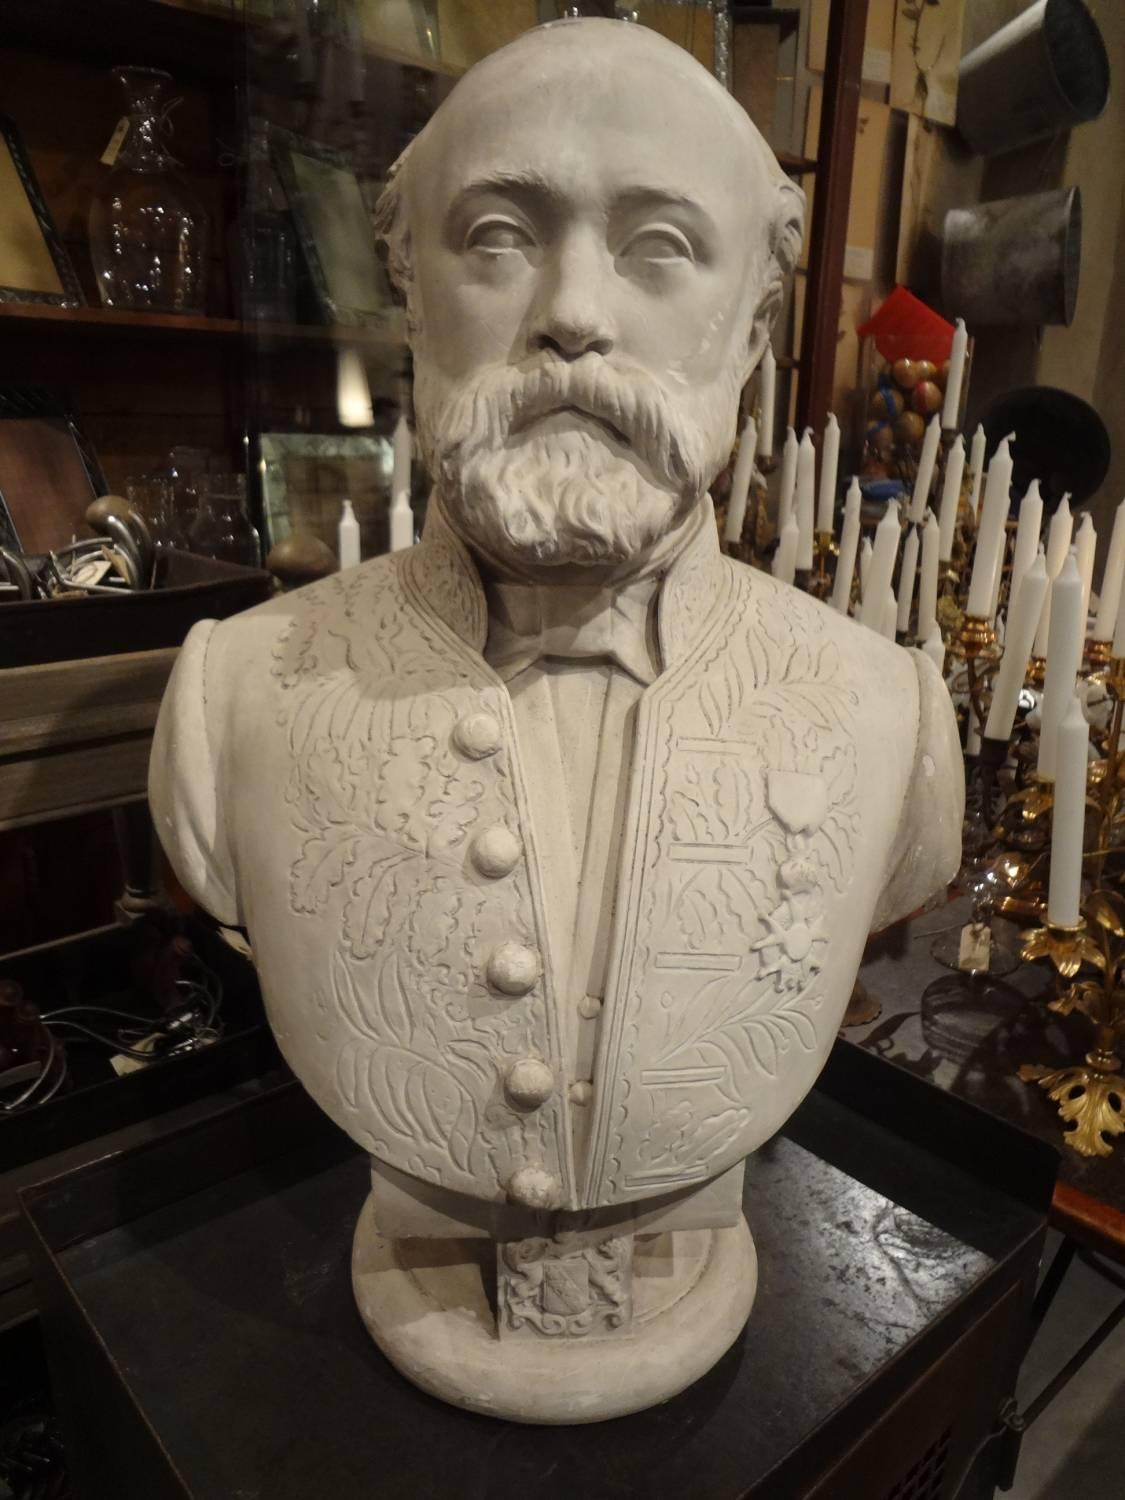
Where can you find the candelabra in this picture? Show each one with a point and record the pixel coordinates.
(1090, 1095)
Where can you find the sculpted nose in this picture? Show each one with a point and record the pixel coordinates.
(571, 317)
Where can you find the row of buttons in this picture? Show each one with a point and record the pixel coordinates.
(513, 969)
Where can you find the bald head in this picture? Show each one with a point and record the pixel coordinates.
(591, 212)
(558, 72)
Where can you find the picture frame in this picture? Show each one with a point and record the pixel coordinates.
(34, 264)
(333, 223)
(49, 473)
(305, 477)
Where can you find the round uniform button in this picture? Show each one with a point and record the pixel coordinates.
(581, 1092)
(529, 1083)
(534, 1187)
(513, 969)
(477, 735)
(496, 851)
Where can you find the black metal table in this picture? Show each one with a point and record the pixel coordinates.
(204, 1343)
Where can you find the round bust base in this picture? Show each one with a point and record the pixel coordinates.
(426, 1304)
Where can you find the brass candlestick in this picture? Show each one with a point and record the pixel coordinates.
(1098, 654)
(824, 547)
(1090, 1095)
(975, 645)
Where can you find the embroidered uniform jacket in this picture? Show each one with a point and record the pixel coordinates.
(339, 771)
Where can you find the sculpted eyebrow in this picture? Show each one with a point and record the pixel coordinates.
(641, 196)
(518, 184)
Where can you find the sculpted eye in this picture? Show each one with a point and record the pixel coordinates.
(659, 242)
(496, 235)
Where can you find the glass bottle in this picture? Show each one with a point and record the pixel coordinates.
(222, 527)
(148, 235)
(266, 241)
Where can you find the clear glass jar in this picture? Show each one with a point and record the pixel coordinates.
(148, 235)
(151, 495)
(222, 527)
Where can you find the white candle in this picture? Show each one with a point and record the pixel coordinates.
(907, 577)
(990, 533)
(934, 647)
(1110, 594)
(806, 499)
(787, 485)
(976, 464)
(1068, 817)
(740, 481)
(785, 558)
(767, 385)
(951, 407)
(1027, 539)
(925, 476)
(1058, 545)
(972, 734)
(1064, 653)
(928, 584)
(878, 581)
(890, 611)
(829, 466)
(402, 517)
(849, 542)
(866, 552)
(1023, 619)
(951, 495)
(1086, 545)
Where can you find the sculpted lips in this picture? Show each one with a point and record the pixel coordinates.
(570, 410)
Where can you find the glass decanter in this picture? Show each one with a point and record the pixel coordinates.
(148, 235)
(222, 527)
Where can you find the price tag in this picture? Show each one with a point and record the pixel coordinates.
(116, 141)
(975, 952)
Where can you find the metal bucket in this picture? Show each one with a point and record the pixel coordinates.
(1013, 261)
(1044, 72)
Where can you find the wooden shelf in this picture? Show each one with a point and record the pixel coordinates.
(102, 321)
(185, 38)
(796, 166)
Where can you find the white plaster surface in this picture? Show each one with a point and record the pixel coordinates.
(559, 835)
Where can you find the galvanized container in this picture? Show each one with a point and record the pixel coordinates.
(1016, 260)
(1042, 73)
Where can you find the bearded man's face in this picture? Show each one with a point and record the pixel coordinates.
(557, 461)
(584, 296)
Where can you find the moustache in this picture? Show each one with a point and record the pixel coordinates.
(624, 400)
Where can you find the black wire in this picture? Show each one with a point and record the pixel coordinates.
(109, 1041)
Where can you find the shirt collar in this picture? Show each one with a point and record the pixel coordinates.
(447, 578)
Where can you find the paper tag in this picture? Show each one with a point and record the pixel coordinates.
(90, 572)
(116, 141)
(975, 952)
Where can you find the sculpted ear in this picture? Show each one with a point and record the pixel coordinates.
(786, 235)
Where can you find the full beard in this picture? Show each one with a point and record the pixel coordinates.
(553, 463)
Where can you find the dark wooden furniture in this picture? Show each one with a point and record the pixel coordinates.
(843, 76)
(895, 1285)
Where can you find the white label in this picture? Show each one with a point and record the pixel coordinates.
(975, 952)
(116, 141)
(859, 263)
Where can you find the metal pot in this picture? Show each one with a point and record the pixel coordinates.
(1016, 260)
(1044, 72)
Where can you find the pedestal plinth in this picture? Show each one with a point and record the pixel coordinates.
(429, 1305)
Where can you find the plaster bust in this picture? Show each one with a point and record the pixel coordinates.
(558, 835)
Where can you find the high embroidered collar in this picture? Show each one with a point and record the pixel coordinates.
(446, 576)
